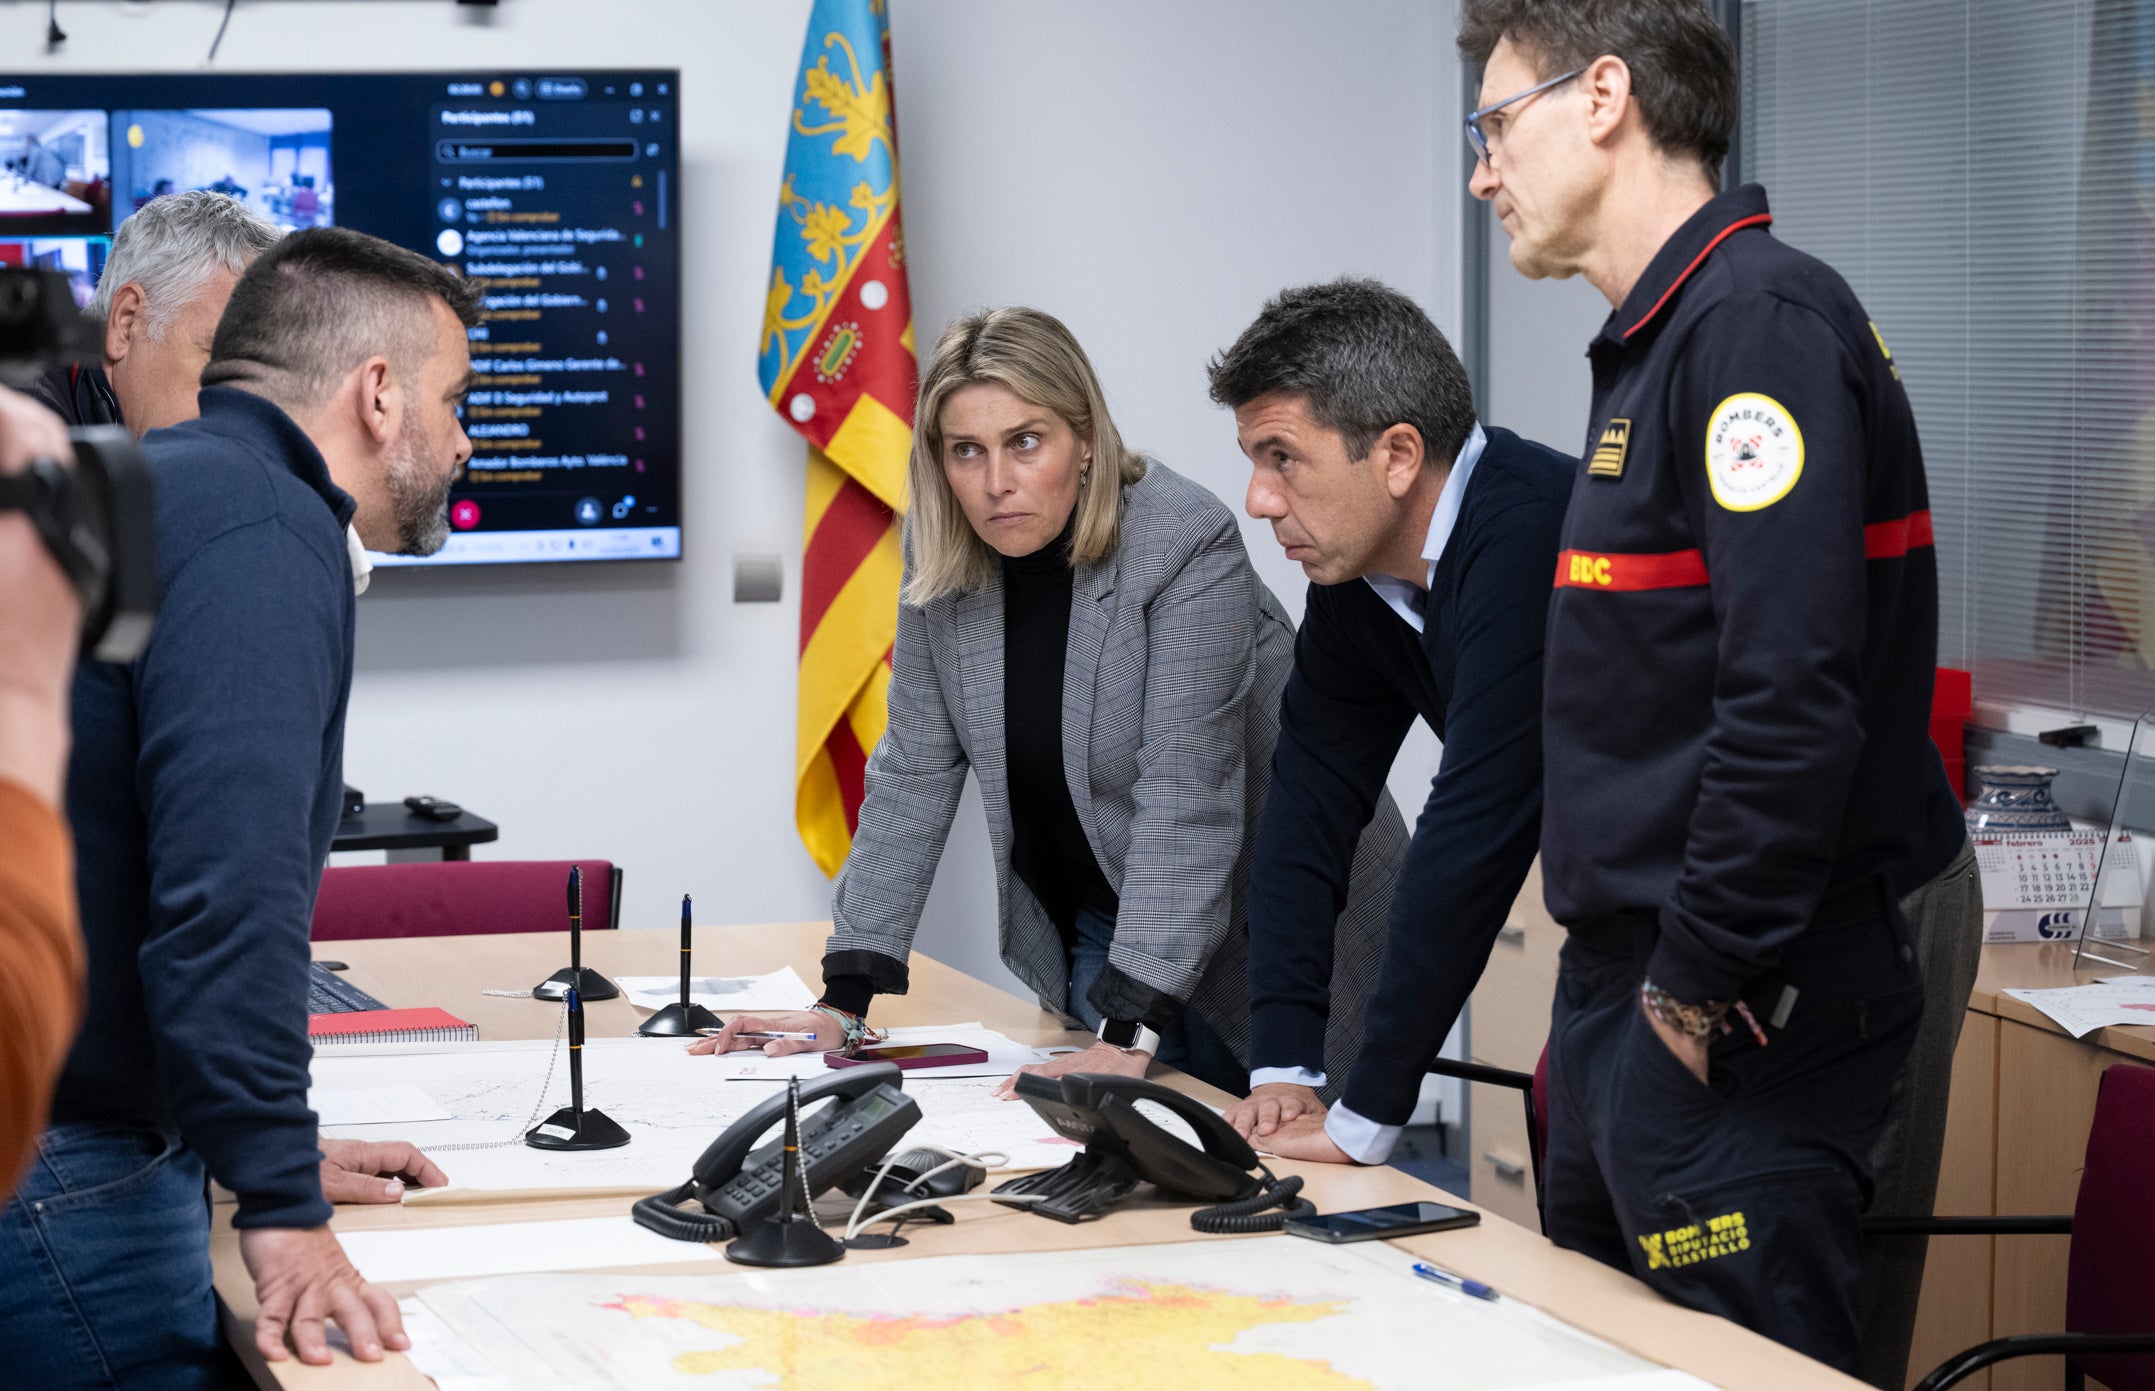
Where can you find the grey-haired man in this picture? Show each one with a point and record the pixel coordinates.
(173, 266)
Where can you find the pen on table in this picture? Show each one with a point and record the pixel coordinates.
(807, 1035)
(1450, 1281)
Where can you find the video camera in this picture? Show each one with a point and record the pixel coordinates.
(99, 518)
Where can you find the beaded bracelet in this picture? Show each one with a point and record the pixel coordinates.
(855, 1028)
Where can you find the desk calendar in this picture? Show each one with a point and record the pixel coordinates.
(2036, 887)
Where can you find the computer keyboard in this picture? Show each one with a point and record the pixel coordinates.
(329, 993)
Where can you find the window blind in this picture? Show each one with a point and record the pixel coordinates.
(1982, 173)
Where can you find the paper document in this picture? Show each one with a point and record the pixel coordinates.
(728, 995)
(450, 1359)
(2082, 1009)
(506, 1248)
(672, 1104)
(1005, 1056)
(373, 1105)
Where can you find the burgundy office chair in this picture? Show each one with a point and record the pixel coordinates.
(2111, 1264)
(457, 897)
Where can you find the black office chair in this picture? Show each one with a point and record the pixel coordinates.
(1533, 1089)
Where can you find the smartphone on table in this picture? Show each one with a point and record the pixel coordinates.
(910, 1055)
(1380, 1223)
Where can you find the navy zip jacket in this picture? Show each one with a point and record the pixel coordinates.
(1744, 633)
(1360, 676)
(203, 793)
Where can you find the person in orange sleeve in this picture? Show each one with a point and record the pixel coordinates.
(40, 945)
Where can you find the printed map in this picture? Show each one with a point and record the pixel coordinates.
(1256, 1314)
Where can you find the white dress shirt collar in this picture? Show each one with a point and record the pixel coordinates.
(1405, 599)
(362, 563)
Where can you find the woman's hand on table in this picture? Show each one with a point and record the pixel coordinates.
(829, 1036)
(1101, 1057)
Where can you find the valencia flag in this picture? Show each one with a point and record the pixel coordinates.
(836, 361)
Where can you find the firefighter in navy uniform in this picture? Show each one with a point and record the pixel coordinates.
(1737, 691)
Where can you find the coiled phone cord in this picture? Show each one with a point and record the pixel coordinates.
(661, 1213)
(1251, 1215)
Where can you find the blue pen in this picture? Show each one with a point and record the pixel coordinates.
(1450, 1281)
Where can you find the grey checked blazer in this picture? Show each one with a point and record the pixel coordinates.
(1171, 694)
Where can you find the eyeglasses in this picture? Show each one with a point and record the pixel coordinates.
(1480, 139)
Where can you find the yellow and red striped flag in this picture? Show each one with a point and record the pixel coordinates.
(836, 360)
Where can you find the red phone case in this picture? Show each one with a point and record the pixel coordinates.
(961, 1056)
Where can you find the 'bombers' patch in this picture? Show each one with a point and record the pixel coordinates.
(1754, 452)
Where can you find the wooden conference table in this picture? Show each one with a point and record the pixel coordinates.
(453, 971)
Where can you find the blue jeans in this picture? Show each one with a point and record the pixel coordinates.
(1188, 1045)
(105, 1268)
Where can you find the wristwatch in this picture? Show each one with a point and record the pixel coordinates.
(1129, 1036)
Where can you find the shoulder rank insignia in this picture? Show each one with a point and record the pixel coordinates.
(1884, 351)
(1608, 460)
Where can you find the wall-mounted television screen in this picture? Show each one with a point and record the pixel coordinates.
(557, 191)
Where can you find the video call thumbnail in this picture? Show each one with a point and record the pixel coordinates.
(80, 259)
(55, 171)
(275, 160)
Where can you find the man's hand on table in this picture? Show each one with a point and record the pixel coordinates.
(1304, 1137)
(1101, 1057)
(301, 1280)
(375, 1171)
(1285, 1119)
(1271, 1106)
(829, 1036)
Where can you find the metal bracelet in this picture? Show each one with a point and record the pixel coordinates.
(1694, 1021)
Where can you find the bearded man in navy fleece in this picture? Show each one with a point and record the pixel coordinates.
(203, 793)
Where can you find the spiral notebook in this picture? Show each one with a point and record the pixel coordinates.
(390, 1026)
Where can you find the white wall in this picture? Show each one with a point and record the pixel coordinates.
(1149, 172)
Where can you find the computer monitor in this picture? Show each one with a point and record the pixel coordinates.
(558, 191)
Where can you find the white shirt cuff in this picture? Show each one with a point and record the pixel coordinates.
(1301, 1076)
(1364, 1141)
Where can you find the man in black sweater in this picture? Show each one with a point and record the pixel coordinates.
(1429, 543)
(204, 792)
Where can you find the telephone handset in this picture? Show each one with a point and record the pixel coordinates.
(1123, 1147)
(738, 1179)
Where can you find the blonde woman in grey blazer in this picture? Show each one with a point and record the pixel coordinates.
(1081, 628)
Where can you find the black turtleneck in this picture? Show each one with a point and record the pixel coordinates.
(1048, 849)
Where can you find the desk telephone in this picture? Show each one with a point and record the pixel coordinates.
(1124, 1147)
(738, 1180)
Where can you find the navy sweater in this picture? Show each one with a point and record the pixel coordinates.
(1361, 675)
(203, 793)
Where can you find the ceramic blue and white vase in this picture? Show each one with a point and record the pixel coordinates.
(2015, 800)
